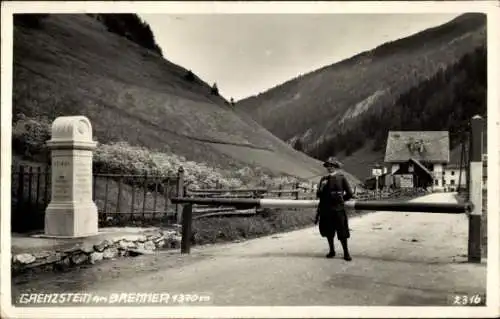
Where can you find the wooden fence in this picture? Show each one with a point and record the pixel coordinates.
(282, 192)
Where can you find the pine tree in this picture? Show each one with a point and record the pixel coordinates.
(215, 89)
(298, 145)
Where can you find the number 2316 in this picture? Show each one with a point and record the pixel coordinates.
(463, 300)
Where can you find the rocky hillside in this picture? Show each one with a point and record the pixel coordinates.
(90, 65)
(433, 80)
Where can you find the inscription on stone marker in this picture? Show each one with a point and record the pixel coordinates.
(83, 178)
(62, 180)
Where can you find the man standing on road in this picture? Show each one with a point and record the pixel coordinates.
(333, 190)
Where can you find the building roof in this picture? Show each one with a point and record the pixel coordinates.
(423, 146)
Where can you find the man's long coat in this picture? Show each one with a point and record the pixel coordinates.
(332, 191)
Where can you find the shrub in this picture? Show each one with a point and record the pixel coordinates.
(30, 134)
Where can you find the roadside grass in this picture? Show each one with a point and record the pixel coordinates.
(270, 221)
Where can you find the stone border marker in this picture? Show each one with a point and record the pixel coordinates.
(71, 212)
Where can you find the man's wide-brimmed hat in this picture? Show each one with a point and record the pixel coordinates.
(332, 162)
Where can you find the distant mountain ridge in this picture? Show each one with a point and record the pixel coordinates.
(347, 108)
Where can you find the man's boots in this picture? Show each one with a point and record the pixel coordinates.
(347, 256)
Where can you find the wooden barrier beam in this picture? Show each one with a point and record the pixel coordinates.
(415, 207)
(447, 208)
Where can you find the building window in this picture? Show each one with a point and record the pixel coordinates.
(436, 182)
(452, 173)
(452, 182)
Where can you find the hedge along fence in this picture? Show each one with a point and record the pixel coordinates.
(121, 199)
(29, 135)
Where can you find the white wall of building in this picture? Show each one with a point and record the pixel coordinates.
(452, 176)
(438, 171)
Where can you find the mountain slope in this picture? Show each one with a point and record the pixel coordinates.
(343, 109)
(72, 65)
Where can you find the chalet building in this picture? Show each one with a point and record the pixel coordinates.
(418, 158)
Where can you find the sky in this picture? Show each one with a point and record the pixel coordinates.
(246, 54)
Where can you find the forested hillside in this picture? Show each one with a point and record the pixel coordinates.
(433, 80)
(127, 25)
(130, 26)
(445, 101)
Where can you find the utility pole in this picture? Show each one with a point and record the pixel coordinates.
(376, 171)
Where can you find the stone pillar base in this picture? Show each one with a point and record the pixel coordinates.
(71, 220)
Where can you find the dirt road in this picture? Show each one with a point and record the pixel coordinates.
(398, 259)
